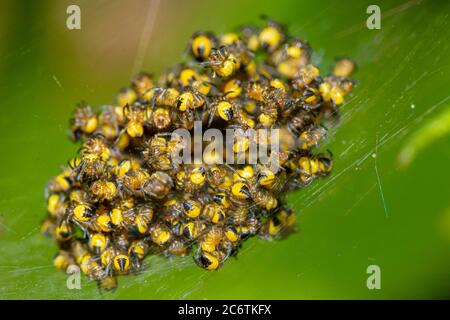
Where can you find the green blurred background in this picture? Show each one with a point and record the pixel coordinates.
(345, 226)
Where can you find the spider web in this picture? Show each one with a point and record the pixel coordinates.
(358, 148)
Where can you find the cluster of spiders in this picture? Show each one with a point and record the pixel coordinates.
(124, 196)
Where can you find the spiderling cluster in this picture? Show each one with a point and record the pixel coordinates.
(124, 196)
